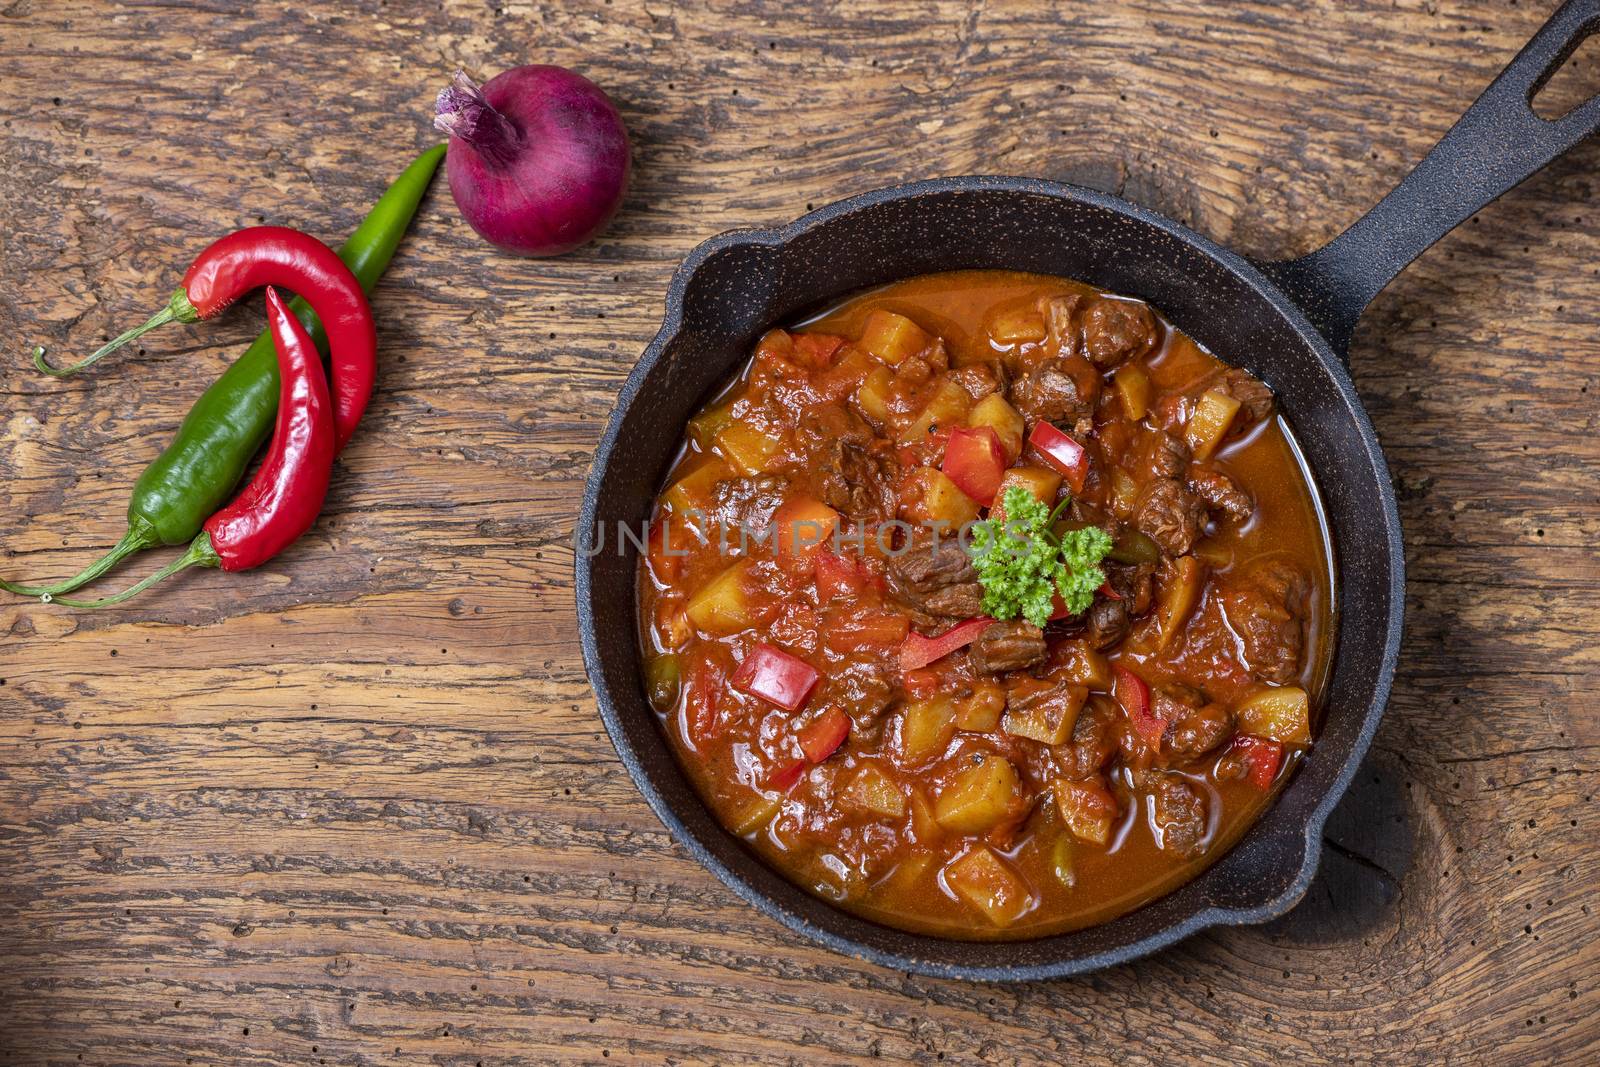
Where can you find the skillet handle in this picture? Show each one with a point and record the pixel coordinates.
(1499, 142)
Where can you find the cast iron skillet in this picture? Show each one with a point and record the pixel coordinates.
(1289, 323)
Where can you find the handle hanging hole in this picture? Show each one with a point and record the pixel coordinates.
(1571, 84)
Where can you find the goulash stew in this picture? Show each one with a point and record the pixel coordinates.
(987, 604)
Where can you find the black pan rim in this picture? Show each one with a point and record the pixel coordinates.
(909, 961)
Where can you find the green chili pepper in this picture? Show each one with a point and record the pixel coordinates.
(205, 461)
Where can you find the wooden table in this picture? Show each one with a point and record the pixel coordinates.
(357, 807)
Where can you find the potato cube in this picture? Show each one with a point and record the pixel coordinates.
(1046, 717)
(705, 426)
(1180, 591)
(929, 496)
(924, 827)
(979, 798)
(872, 396)
(1209, 424)
(947, 408)
(1041, 484)
(1087, 808)
(1133, 389)
(996, 413)
(722, 606)
(748, 449)
(1282, 713)
(873, 792)
(926, 727)
(1017, 324)
(694, 491)
(987, 882)
(981, 711)
(756, 814)
(891, 337)
(1084, 666)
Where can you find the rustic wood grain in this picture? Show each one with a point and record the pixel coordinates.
(357, 808)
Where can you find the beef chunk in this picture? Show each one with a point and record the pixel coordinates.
(1105, 330)
(1094, 739)
(1180, 815)
(1193, 727)
(1266, 608)
(1116, 329)
(1133, 582)
(856, 474)
(1166, 456)
(858, 481)
(1170, 515)
(1062, 323)
(745, 504)
(1222, 497)
(1106, 622)
(1255, 399)
(937, 581)
(1008, 646)
(979, 379)
(864, 687)
(1048, 393)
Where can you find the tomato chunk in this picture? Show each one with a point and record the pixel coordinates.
(666, 550)
(976, 461)
(786, 774)
(815, 350)
(836, 576)
(1262, 757)
(917, 651)
(804, 525)
(1134, 696)
(703, 702)
(822, 737)
(1062, 453)
(774, 675)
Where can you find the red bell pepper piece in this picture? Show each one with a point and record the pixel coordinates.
(918, 651)
(1062, 453)
(1262, 756)
(774, 675)
(1134, 697)
(824, 735)
(976, 461)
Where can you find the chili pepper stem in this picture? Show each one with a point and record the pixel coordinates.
(198, 554)
(134, 540)
(178, 309)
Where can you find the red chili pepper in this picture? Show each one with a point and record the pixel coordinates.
(283, 499)
(275, 255)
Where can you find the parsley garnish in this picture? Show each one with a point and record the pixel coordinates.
(1022, 563)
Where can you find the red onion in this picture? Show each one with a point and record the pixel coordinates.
(538, 158)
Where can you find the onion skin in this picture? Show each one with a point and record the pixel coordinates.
(538, 160)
